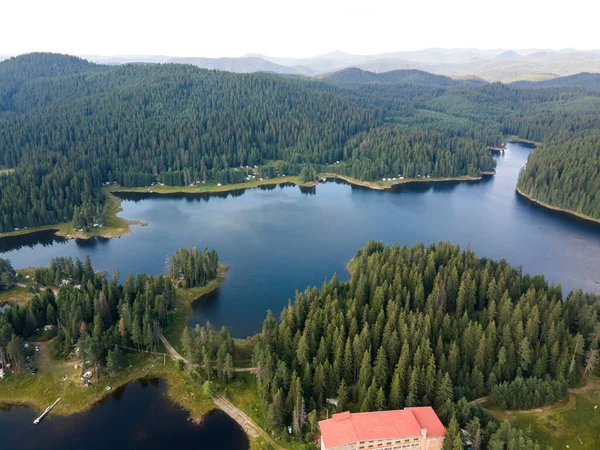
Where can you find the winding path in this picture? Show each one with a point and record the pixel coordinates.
(174, 353)
(177, 356)
(247, 424)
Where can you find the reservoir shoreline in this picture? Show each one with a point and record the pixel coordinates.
(118, 226)
(557, 209)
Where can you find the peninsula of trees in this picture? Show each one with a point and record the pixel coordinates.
(566, 175)
(192, 268)
(98, 316)
(426, 326)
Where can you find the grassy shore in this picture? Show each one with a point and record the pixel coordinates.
(556, 208)
(518, 140)
(61, 379)
(384, 185)
(21, 293)
(210, 187)
(115, 227)
(214, 188)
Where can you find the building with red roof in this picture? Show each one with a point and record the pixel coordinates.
(410, 428)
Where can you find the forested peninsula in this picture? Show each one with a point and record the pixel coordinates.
(88, 322)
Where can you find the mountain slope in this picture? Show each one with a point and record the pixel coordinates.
(580, 80)
(43, 65)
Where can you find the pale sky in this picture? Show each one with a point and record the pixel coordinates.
(295, 28)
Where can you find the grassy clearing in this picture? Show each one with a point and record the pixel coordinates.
(259, 443)
(242, 355)
(518, 140)
(564, 424)
(15, 295)
(60, 379)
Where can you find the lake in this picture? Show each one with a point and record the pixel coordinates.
(281, 238)
(137, 416)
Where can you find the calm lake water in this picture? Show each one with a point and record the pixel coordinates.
(283, 238)
(138, 416)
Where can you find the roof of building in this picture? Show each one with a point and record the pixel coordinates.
(345, 428)
(429, 420)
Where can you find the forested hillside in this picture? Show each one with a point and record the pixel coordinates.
(68, 135)
(418, 77)
(68, 127)
(580, 80)
(566, 175)
(425, 326)
(391, 152)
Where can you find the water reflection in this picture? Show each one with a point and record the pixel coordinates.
(43, 238)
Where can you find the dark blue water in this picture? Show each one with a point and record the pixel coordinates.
(138, 416)
(281, 239)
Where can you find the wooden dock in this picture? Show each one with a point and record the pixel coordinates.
(496, 149)
(46, 411)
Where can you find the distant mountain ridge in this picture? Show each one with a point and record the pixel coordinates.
(491, 65)
(246, 64)
(409, 76)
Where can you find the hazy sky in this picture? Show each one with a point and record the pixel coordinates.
(296, 28)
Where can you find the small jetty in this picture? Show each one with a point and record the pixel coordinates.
(496, 149)
(46, 411)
